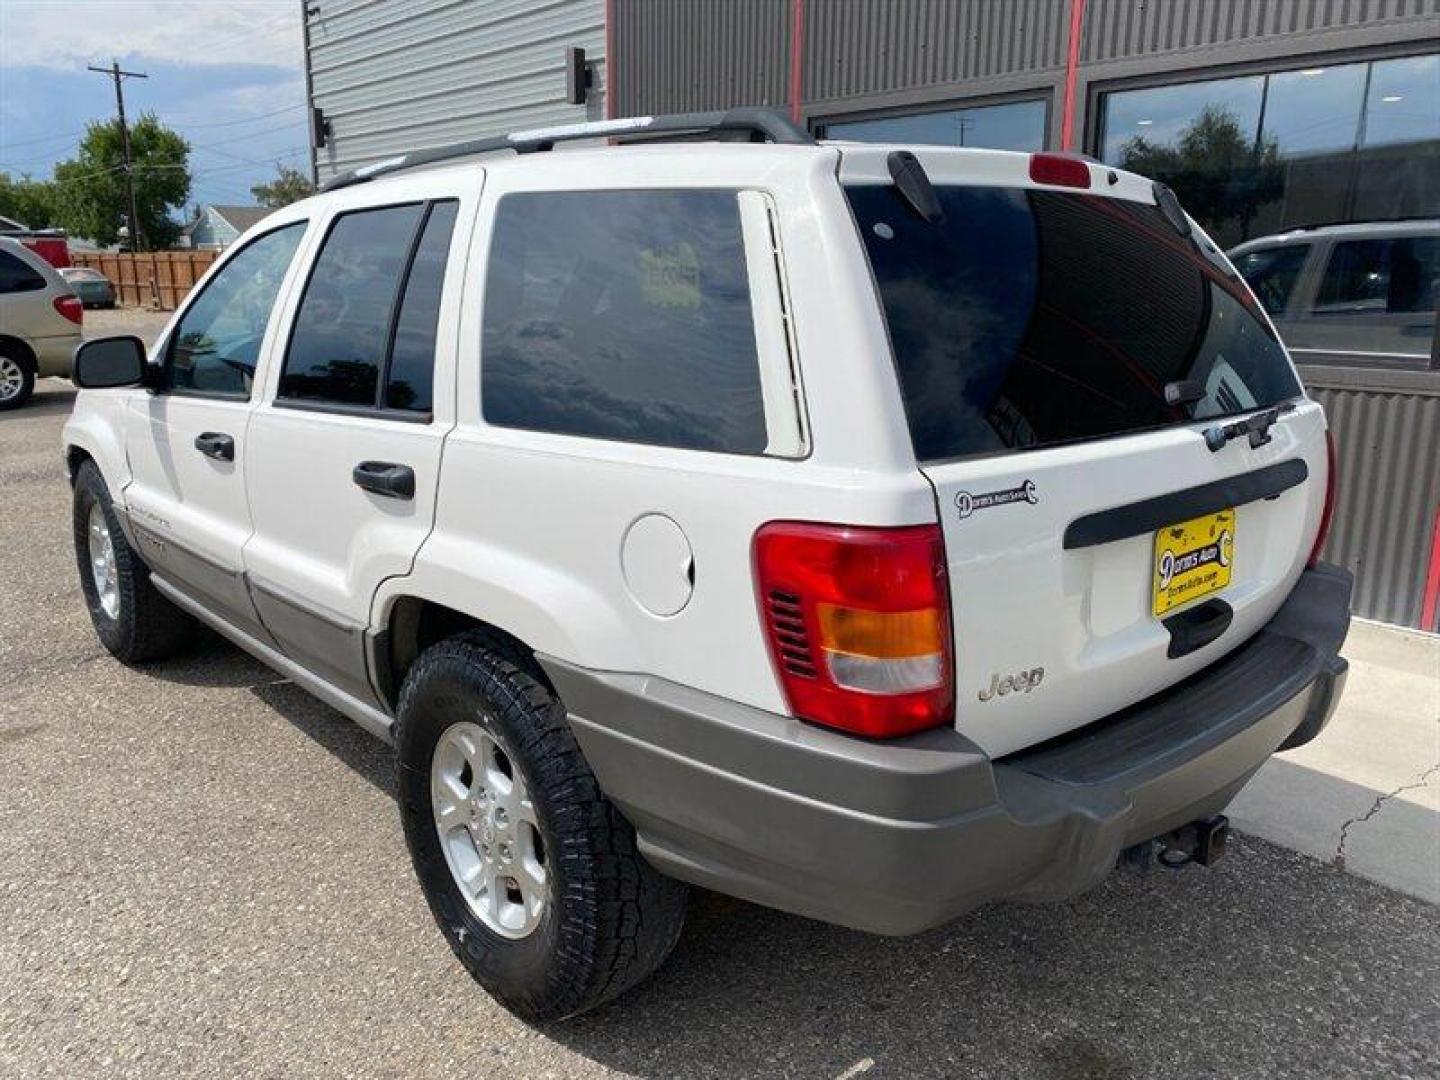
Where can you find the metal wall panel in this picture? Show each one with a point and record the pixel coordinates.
(1387, 444)
(393, 75)
(700, 54)
(1128, 29)
(857, 48)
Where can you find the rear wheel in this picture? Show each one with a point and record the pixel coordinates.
(133, 621)
(532, 875)
(17, 378)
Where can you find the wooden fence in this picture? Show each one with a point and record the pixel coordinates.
(157, 279)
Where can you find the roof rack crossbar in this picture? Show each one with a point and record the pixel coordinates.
(760, 124)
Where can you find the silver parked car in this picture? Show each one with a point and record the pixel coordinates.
(40, 318)
(1350, 294)
(90, 285)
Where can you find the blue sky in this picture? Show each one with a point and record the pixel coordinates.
(227, 74)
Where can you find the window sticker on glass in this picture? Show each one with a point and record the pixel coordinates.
(670, 277)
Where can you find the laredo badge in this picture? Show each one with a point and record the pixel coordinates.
(967, 504)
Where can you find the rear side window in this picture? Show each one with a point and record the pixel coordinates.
(1030, 318)
(1272, 273)
(623, 315)
(1386, 276)
(16, 276)
(371, 304)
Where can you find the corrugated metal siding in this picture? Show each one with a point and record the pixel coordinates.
(683, 55)
(1125, 29)
(393, 75)
(860, 47)
(1387, 445)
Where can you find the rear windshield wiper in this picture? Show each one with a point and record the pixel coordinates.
(1257, 427)
(913, 185)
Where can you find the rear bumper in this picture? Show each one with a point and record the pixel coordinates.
(900, 836)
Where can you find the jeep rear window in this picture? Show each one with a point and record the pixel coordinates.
(1031, 318)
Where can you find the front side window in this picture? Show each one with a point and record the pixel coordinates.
(1272, 273)
(364, 334)
(1029, 318)
(1015, 125)
(1392, 276)
(16, 276)
(623, 315)
(216, 345)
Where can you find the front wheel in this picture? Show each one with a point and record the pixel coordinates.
(132, 620)
(532, 875)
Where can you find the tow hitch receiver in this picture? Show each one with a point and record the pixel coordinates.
(1200, 842)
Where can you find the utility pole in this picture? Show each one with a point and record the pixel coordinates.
(119, 76)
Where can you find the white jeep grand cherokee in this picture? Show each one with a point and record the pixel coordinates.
(863, 532)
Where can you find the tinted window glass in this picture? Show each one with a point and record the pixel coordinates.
(623, 315)
(1390, 276)
(16, 276)
(1016, 125)
(1027, 318)
(412, 358)
(337, 347)
(217, 342)
(1272, 273)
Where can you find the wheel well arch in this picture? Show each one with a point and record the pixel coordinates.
(19, 348)
(75, 456)
(415, 623)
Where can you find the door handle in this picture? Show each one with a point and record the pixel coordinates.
(216, 444)
(385, 478)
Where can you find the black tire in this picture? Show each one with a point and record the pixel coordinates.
(12, 357)
(610, 918)
(147, 627)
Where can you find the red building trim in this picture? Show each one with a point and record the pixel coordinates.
(1072, 72)
(1431, 605)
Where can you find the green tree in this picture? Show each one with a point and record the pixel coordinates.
(290, 185)
(30, 202)
(90, 188)
(1221, 175)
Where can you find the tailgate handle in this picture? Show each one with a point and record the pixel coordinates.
(1196, 628)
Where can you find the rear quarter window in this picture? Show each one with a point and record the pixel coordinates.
(16, 276)
(623, 315)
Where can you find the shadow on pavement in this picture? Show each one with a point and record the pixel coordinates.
(1268, 964)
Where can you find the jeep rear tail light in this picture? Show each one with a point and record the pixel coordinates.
(1328, 513)
(71, 308)
(1061, 170)
(858, 621)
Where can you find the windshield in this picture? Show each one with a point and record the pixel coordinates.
(1029, 318)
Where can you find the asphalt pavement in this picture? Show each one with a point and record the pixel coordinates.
(202, 872)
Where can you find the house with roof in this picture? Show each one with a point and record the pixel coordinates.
(215, 227)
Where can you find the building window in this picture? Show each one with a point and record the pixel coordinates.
(1014, 125)
(1259, 154)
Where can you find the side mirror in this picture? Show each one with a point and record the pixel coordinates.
(109, 362)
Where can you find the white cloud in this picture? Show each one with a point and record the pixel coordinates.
(66, 35)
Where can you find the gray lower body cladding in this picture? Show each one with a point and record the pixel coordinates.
(899, 836)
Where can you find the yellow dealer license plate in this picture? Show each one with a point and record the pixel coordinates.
(1193, 559)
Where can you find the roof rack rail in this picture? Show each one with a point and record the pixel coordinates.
(760, 124)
